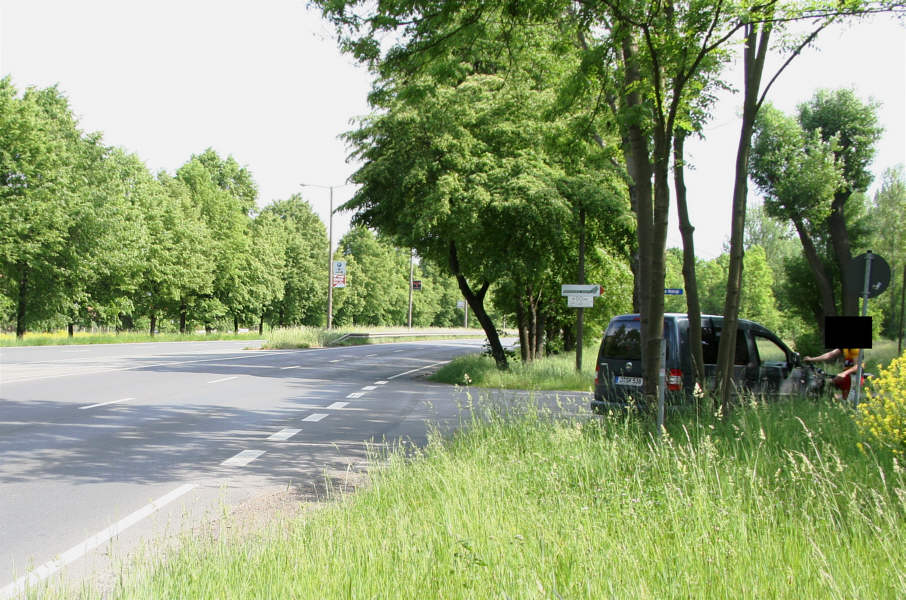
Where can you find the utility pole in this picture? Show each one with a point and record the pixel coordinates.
(411, 267)
(329, 249)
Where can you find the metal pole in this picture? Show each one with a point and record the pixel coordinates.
(902, 309)
(662, 375)
(858, 382)
(580, 316)
(465, 320)
(330, 263)
(411, 266)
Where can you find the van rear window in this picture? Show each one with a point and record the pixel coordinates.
(623, 340)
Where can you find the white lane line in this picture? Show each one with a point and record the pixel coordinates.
(403, 350)
(284, 434)
(370, 355)
(292, 367)
(334, 361)
(242, 459)
(356, 395)
(20, 585)
(337, 405)
(105, 403)
(443, 362)
(224, 379)
(368, 388)
(380, 383)
(315, 417)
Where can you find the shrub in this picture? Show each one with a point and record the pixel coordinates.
(882, 417)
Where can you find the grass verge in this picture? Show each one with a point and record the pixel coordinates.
(62, 338)
(556, 372)
(775, 502)
(315, 337)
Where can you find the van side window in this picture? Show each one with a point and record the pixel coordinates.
(711, 341)
(768, 350)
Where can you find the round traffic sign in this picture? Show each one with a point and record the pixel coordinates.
(878, 277)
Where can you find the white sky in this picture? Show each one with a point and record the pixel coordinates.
(264, 82)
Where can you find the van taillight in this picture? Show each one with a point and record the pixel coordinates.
(675, 380)
(597, 373)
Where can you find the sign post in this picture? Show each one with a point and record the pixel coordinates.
(873, 272)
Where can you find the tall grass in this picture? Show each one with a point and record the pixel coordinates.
(774, 503)
(556, 372)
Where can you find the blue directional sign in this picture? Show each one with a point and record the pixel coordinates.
(673, 291)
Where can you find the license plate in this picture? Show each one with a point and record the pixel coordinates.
(623, 380)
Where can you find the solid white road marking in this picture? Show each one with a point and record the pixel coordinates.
(105, 403)
(284, 434)
(356, 395)
(380, 383)
(224, 379)
(368, 388)
(337, 405)
(443, 362)
(315, 417)
(19, 586)
(242, 459)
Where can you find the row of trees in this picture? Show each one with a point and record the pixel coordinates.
(89, 236)
(505, 132)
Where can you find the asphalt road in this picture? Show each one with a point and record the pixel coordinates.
(104, 447)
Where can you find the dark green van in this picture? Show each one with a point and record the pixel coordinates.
(763, 364)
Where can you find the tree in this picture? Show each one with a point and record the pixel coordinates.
(889, 240)
(852, 125)
(303, 301)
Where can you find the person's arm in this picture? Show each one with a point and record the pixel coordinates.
(830, 355)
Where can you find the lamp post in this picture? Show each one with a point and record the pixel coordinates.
(329, 248)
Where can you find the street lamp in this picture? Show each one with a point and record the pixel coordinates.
(329, 248)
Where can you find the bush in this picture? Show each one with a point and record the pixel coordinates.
(882, 417)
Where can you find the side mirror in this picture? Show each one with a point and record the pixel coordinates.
(796, 360)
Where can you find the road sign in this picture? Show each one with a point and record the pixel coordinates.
(339, 273)
(673, 291)
(878, 278)
(586, 289)
(417, 285)
(576, 301)
(460, 304)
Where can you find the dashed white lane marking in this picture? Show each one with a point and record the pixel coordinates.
(224, 379)
(242, 459)
(443, 362)
(337, 405)
(356, 395)
(395, 351)
(19, 586)
(315, 417)
(292, 367)
(380, 383)
(284, 434)
(370, 355)
(368, 388)
(105, 403)
(334, 361)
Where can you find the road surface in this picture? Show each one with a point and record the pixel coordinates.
(104, 446)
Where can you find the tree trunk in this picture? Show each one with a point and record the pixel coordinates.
(756, 45)
(693, 307)
(71, 329)
(540, 320)
(153, 322)
(235, 324)
(638, 165)
(836, 224)
(825, 288)
(182, 317)
(476, 301)
(261, 325)
(580, 313)
(523, 326)
(22, 300)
